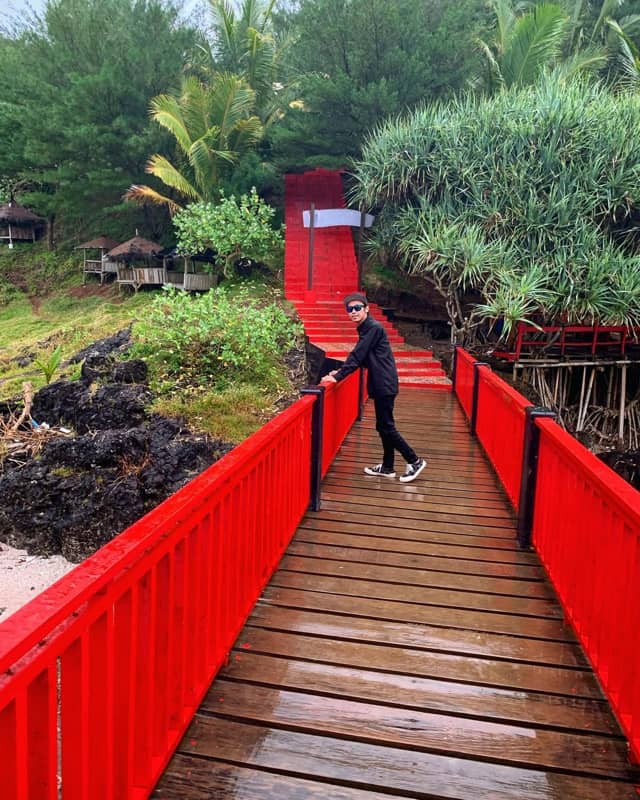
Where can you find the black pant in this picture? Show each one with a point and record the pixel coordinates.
(391, 439)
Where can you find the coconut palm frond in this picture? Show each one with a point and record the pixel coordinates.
(588, 60)
(246, 133)
(203, 161)
(166, 111)
(536, 42)
(261, 70)
(606, 9)
(505, 20)
(628, 56)
(230, 100)
(164, 170)
(494, 79)
(140, 194)
(225, 28)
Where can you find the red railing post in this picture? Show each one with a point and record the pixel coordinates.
(361, 401)
(317, 429)
(530, 451)
(474, 402)
(454, 365)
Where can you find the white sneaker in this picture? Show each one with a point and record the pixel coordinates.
(413, 470)
(380, 471)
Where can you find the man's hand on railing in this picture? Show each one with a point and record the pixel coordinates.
(329, 378)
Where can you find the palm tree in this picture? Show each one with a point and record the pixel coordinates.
(525, 43)
(213, 125)
(572, 33)
(244, 42)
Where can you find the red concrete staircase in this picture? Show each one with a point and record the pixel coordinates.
(335, 274)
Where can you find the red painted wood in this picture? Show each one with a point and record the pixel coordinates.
(127, 644)
(500, 427)
(463, 386)
(587, 532)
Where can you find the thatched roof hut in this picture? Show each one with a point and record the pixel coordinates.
(100, 266)
(135, 249)
(17, 223)
(101, 243)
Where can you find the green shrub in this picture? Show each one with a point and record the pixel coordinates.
(235, 229)
(216, 338)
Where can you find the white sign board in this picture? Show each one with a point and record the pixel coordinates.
(329, 217)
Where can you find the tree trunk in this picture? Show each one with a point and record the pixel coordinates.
(51, 238)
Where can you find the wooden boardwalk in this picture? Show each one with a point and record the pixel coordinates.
(405, 648)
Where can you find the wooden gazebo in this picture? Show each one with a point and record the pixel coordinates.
(102, 265)
(137, 263)
(189, 278)
(18, 224)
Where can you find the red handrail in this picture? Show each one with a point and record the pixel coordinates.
(340, 412)
(586, 530)
(101, 673)
(500, 423)
(463, 384)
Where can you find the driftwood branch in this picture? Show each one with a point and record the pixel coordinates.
(27, 394)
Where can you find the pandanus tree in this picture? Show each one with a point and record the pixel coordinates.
(526, 201)
(213, 125)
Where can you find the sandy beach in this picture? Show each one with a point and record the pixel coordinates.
(23, 577)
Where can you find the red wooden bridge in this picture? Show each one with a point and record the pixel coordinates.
(470, 635)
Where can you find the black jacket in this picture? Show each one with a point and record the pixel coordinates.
(373, 351)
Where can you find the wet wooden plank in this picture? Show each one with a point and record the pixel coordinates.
(373, 564)
(348, 484)
(432, 482)
(404, 551)
(388, 769)
(420, 530)
(420, 637)
(485, 622)
(426, 664)
(353, 507)
(328, 579)
(190, 778)
(421, 504)
(394, 541)
(425, 694)
(420, 730)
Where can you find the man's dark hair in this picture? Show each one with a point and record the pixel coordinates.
(356, 297)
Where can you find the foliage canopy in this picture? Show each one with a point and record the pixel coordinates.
(74, 126)
(234, 229)
(358, 61)
(213, 125)
(528, 198)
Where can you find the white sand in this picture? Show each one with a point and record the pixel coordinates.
(22, 577)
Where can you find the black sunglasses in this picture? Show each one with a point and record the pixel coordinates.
(356, 307)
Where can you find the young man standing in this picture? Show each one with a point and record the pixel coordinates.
(373, 351)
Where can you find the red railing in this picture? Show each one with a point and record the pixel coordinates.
(500, 422)
(586, 529)
(341, 406)
(101, 673)
(551, 341)
(463, 380)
